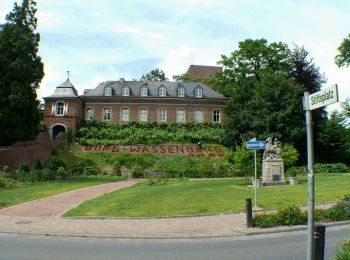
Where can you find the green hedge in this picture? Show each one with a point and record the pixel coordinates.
(330, 168)
(149, 133)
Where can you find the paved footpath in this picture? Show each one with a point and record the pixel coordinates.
(44, 217)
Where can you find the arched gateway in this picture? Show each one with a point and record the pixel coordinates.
(57, 129)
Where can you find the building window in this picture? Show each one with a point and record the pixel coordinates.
(199, 115)
(162, 92)
(90, 113)
(181, 92)
(106, 114)
(125, 91)
(199, 92)
(162, 115)
(144, 92)
(108, 91)
(216, 115)
(143, 116)
(59, 109)
(181, 115)
(125, 114)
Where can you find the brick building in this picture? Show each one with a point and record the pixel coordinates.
(124, 101)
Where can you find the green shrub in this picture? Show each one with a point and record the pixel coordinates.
(156, 181)
(47, 175)
(290, 155)
(37, 165)
(343, 252)
(6, 168)
(117, 168)
(294, 171)
(3, 183)
(35, 175)
(137, 172)
(62, 173)
(339, 212)
(54, 162)
(265, 220)
(290, 215)
(23, 167)
(243, 161)
(88, 171)
(330, 168)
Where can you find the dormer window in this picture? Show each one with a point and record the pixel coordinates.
(162, 92)
(126, 91)
(59, 108)
(144, 92)
(108, 91)
(198, 92)
(181, 92)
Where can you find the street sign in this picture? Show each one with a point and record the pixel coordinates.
(323, 98)
(255, 145)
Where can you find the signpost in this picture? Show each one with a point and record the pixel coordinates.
(321, 98)
(255, 145)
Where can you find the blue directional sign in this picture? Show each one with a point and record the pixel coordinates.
(255, 145)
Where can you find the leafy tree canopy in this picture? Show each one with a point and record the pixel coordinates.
(343, 58)
(21, 71)
(154, 75)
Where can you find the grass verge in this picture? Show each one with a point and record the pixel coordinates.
(28, 192)
(178, 197)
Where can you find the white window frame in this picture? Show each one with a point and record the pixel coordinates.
(162, 117)
(201, 118)
(125, 91)
(162, 92)
(178, 115)
(216, 115)
(125, 117)
(108, 91)
(104, 114)
(87, 114)
(141, 119)
(144, 92)
(181, 92)
(198, 92)
(61, 111)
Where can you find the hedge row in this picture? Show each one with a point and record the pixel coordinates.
(149, 133)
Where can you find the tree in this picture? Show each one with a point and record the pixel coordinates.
(21, 71)
(343, 58)
(154, 75)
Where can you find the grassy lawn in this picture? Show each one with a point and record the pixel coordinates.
(205, 197)
(27, 192)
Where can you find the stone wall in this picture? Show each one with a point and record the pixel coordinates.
(29, 152)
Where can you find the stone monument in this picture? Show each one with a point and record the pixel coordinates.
(272, 167)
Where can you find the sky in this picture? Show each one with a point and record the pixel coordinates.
(106, 40)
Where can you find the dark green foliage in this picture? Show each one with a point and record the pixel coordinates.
(156, 181)
(88, 171)
(330, 168)
(3, 183)
(290, 155)
(291, 215)
(243, 161)
(54, 162)
(154, 75)
(343, 58)
(23, 167)
(62, 173)
(137, 172)
(35, 175)
(149, 133)
(265, 220)
(47, 175)
(79, 166)
(21, 72)
(116, 168)
(294, 171)
(37, 165)
(343, 252)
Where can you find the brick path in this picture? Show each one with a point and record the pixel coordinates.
(56, 205)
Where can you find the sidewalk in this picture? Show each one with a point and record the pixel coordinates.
(43, 217)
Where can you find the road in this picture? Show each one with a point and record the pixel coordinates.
(291, 245)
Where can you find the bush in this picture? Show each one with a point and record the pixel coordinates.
(243, 161)
(23, 167)
(37, 165)
(3, 183)
(35, 175)
(290, 155)
(343, 252)
(88, 171)
(54, 162)
(294, 171)
(61, 172)
(330, 168)
(156, 181)
(117, 168)
(290, 215)
(265, 220)
(47, 175)
(6, 168)
(137, 172)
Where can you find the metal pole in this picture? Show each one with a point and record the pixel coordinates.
(255, 181)
(311, 185)
(320, 234)
(249, 212)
